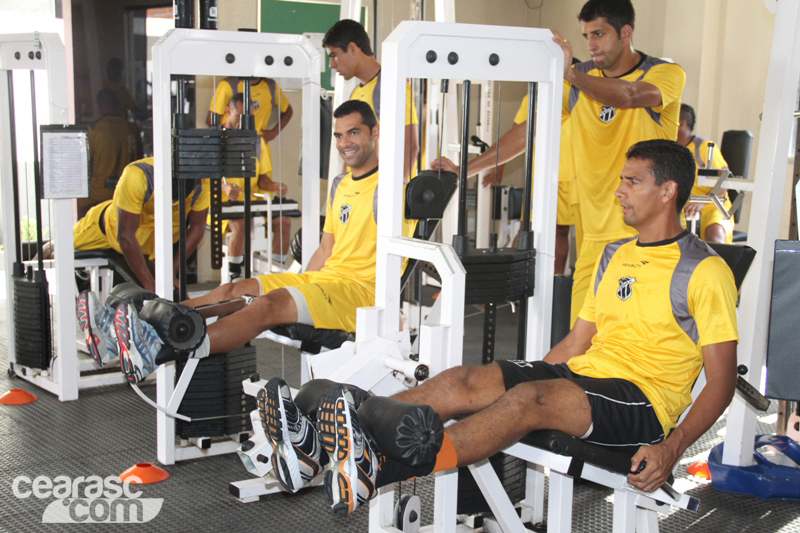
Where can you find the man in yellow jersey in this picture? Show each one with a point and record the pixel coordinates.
(351, 55)
(620, 97)
(713, 226)
(339, 279)
(265, 96)
(233, 190)
(113, 143)
(126, 223)
(662, 306)
(510, 145)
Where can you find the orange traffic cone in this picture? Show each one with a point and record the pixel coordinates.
(146, 472)
(17, 397)
(699, 469)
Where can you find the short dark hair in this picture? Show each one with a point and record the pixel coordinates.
(238, 97)
(618, 13)
(687, 114)
(347, 31)
(357, 106)
(669, 161)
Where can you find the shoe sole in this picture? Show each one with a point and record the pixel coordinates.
(94, 343)
(335, 438)
(121, 322)
(273, 421)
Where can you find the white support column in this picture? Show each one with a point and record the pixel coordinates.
(772, 160)
(198, 52)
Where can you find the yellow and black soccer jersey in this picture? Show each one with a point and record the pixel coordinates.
(351, 216)
(601, 135)
(134, 194)
(265, 96)
(370, 93)
(654, 306)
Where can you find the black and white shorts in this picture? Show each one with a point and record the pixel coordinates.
(622, 416)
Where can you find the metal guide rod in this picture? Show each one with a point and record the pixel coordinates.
(247, 122)
(180, 123)
(525, 241)
(461, 239)
(37, 176)
(18, 268)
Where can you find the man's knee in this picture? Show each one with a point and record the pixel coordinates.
(276, 306)
(474, 379)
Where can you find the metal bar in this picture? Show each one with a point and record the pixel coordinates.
(462, 179)
(247, 123)
(37, 175)
(18, 268)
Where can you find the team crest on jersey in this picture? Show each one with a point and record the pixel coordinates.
(624, 291)
(607, 113)
(255, 104)
(344, 213)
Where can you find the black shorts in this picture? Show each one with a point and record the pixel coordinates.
(622, 416)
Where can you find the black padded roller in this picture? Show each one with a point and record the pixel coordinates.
(179, 326)
(310, 395)
(129, 292)
(406, 432)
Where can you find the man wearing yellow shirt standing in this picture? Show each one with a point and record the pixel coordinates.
(233, 190)
(620, 97)
(126, 223)
(339, 279)
(351, 55)
(510, 145)
(113, 143)
(713, 226)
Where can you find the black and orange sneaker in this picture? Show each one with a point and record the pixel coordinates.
(296, 453)
(353, 463)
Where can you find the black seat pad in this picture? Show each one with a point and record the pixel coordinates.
(312, 340)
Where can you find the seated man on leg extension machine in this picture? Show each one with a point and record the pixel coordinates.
(663, 306)
(339, 279)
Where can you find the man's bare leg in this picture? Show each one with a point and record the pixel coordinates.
(458, 391)
(551, 404)
(562, 249)
(273, 309)
(499, 418)
(227, 291)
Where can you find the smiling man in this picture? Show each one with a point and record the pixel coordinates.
(620, 97)
(339, 279)
(662, 306)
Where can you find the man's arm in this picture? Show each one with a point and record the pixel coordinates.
(577, 342)
(265, 183)
(608, 91)
(510, 145)
(322, 253)
(411, 150)
(273, 132)
(127, 224)
(720, 366)
(196, 225)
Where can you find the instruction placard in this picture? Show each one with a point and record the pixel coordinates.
(65, 162)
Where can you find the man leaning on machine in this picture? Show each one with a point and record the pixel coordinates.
(661, 307)
(339, 279)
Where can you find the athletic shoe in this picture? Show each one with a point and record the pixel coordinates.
(97, 323)
(138, 343)
(353, 464)
(296, 452)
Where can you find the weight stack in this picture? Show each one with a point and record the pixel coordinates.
(500, 275)
(216, 391)
(33, 343)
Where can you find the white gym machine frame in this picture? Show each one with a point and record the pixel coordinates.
(203, 52)
(404, 56)
(780, 98)
(45, 51)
